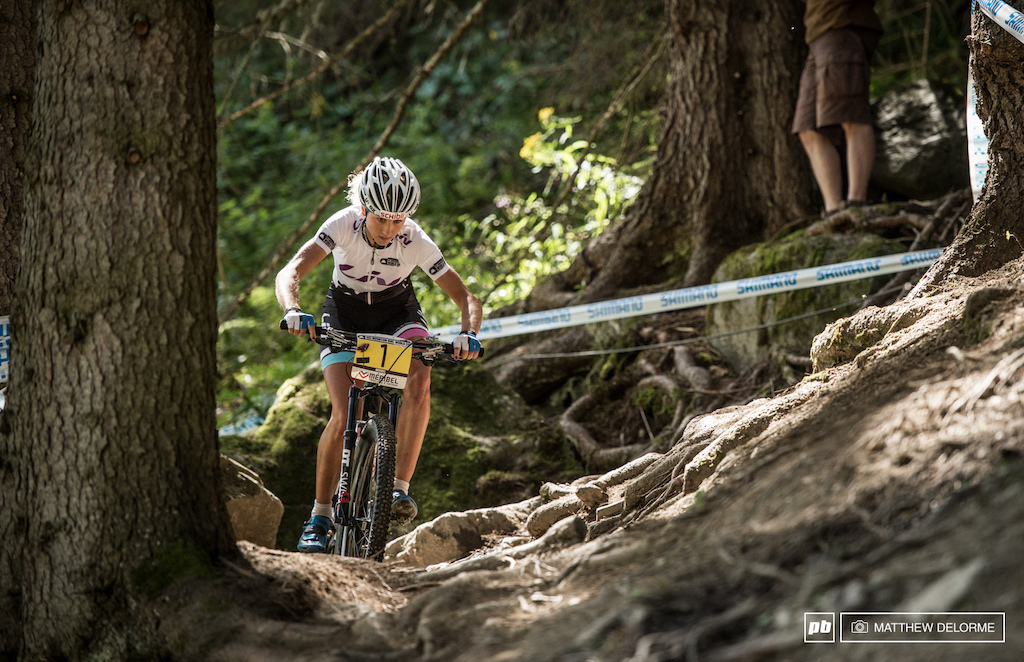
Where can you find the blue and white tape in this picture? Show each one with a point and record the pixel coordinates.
(977, 141)
(5, 347)
(250, 424)
(1005, 16)
(694, 297)
(1012, 21)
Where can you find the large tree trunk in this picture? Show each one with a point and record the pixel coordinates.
(17, 61)
(109, 472)
(728, 171)
(994, 233)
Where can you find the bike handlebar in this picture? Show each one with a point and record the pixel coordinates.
(346, 341)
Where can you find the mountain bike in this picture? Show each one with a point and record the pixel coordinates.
(380, 369)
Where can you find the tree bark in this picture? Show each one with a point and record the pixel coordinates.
(728, 172)
(994, 232)
(17, 61)
(109, 476)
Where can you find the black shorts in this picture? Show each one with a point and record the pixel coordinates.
(397, 316)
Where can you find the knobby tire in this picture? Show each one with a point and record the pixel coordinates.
(374, 479)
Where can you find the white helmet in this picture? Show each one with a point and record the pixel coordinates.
(388, 189)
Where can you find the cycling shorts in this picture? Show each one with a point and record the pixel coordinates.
(397, 316)
(835, 83)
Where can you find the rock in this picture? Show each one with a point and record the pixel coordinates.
(451, 536)
(576, 499)
(744, 350)
(844, 339)
(255, 512)
(922, 142)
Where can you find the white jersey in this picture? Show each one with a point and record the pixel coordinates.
(359, 267)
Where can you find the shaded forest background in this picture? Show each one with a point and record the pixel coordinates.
(533, 130)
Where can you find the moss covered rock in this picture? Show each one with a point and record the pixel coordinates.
(283, 450)
(743, 350)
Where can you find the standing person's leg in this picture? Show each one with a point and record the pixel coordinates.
(826, 166)
(821, 152)
(844, 99)
(860, 159)
(856, 117)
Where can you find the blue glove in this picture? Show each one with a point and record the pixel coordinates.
(466, 343)
(298, 320)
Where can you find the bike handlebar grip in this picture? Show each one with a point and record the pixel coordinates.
(449, 349)
(319, 329)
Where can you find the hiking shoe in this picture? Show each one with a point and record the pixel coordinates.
(315, 533)
(403, 508)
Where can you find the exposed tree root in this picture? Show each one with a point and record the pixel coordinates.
(595, 458)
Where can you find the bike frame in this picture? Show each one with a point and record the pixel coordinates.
(344, 518)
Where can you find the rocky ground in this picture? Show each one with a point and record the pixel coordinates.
(890, 479)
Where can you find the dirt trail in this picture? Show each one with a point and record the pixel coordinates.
(891, 482)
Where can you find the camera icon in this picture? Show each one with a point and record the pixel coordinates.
(859, 627)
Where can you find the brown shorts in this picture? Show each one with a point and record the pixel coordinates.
(835, 83)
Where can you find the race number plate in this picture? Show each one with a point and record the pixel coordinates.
(382, 359)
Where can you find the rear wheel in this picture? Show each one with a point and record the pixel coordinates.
(373, 478)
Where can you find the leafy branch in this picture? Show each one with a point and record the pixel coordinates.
(636, 75)
(324, 66)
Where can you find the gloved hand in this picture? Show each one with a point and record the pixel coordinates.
(466, 344)
(298, 321)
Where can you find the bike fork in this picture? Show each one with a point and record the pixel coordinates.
(343, 514)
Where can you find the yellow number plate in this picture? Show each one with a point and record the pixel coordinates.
(382, 359)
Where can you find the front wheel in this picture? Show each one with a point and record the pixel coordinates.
(373, 480)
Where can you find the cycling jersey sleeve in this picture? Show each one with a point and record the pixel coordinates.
(429, 256)
(327, 236)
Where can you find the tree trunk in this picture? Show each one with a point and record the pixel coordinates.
(109, 479)
(994, 233)
(728, 171)
(17, 61)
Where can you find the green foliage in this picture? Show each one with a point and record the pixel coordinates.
(254, 357)
(921, 40)
(542, 239)
(654, 400)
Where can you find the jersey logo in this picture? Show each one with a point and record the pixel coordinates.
(391, 262)
(438, 266)
(326, 238)
(373, 276)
